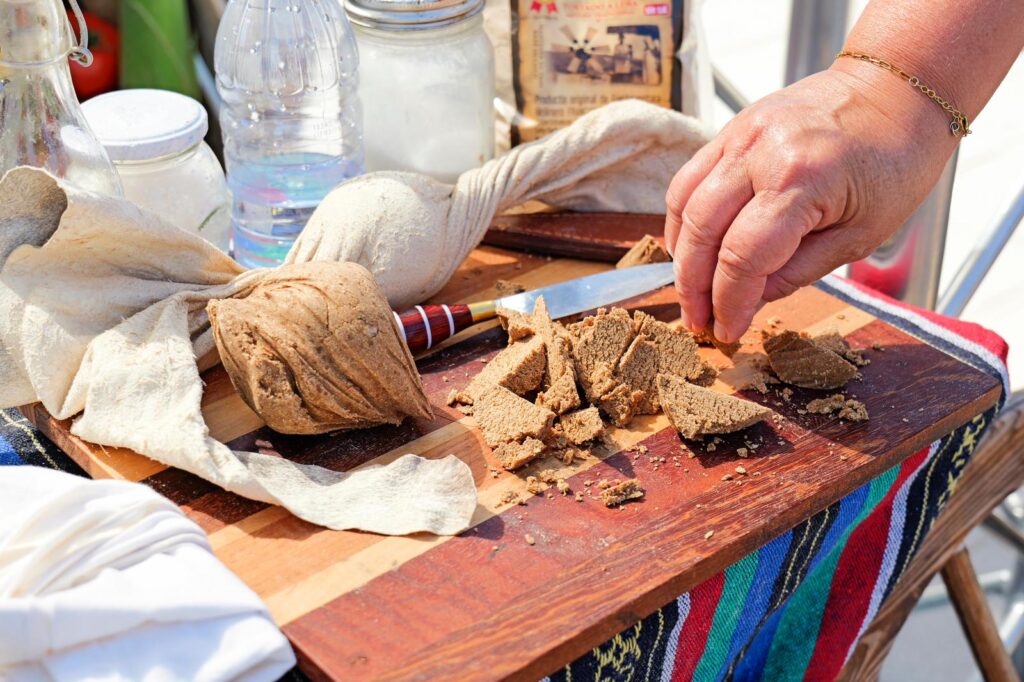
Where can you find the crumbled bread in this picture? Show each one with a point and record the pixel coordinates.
(802, 362)
(742, 453)
(637, 370)
(707, 337)
(647, 250)
(853, 410)
(622, 492)
(695, 411)
(620, 404)
(518, 368)
(579, 497)
(529, 539)
(707, 377)
(506, 287)
(516, 454)
(677, 348)
(759, 381)
(598, 342)
(582, 426)
(534, 486)
(787, 394)
(838, 345)
(562, 485)
(511, 497)
(505, 417)
(559, 383)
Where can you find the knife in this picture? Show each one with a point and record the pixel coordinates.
(425, 326)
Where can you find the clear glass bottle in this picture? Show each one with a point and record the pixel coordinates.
(426, 84)
(287, 71)
(41, 121)
(155, 139)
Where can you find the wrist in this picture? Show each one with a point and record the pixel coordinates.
(894, 98)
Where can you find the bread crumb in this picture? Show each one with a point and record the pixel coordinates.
(802, 362)
(562, 485)
(516, 454)
(506, 287)
(579, 497)
(534, 486)
(582, 426)
(622, 492)
(727, 477)
(707, 536)
(741, 470)
(529, 539)
(852, 410)
(742, 452)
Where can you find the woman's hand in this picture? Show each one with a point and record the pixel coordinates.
(807, 179)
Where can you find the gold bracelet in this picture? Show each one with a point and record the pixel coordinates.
(959, 126)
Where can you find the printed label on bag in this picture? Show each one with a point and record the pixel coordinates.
(572, 56)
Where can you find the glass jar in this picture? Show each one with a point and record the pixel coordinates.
(41, 121)
(155, 139)
(427, 85)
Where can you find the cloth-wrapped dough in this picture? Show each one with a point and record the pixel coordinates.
(314, 347)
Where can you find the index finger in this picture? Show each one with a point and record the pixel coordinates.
(685, 181)
(762, 239)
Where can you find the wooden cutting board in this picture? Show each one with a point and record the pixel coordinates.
(487, 604)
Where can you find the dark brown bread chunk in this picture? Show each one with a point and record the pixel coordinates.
(314, 347)
(838, 345)
(582, 426)
(620, 404)
(514, 455)
(800, 361)
(647, 250)
(519, 368)
(695, 411)
(505, 417)
(622, 492)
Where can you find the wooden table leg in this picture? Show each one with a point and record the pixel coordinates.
(976, 618)
(996, 470)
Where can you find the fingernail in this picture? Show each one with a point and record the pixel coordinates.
(684, 318)
(721, 333)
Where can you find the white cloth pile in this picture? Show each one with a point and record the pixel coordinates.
(108, 581)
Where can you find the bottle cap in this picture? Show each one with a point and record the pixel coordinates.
(411, 15)
(142, 125)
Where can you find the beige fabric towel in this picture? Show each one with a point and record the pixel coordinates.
(102, 306)
(412, 232)
(102, 313)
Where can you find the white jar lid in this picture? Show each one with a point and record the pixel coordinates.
(140, 125)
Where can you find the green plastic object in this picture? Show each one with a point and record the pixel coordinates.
(157, 46)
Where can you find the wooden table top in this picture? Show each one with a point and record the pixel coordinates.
(486, 604)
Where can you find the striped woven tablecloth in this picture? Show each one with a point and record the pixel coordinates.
(795, 608)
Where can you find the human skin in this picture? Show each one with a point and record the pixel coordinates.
(818, 174)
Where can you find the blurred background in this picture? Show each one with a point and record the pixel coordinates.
(168, 44)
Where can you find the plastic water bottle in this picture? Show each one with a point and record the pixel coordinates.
(287, 71)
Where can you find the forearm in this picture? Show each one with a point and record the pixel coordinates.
(960, 49)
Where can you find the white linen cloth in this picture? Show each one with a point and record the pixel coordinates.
(108, 581)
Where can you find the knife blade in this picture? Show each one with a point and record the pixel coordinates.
(423, 327)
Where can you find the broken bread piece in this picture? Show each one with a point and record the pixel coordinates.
(695, 411)
(838, 345)
(677, 347)
(800, 361)
(519, 368)
(707, 337)
(597, 343)
(646, 251)
(515, 454)
(638, 368)
(622, 492)
(559, 392)
(852, 410)
(505, 417)
(582, 426)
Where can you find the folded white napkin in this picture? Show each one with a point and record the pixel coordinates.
(109, 581)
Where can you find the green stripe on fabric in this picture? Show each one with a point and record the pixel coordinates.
(730, 605)
(797, 634)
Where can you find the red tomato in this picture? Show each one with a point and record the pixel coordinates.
(105, 44)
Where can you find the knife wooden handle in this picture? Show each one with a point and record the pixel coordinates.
(425, 326)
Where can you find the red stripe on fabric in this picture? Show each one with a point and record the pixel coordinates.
(693, 637)
(854, 581)
(967, 330)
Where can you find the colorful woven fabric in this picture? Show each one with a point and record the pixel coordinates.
(795, 609)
